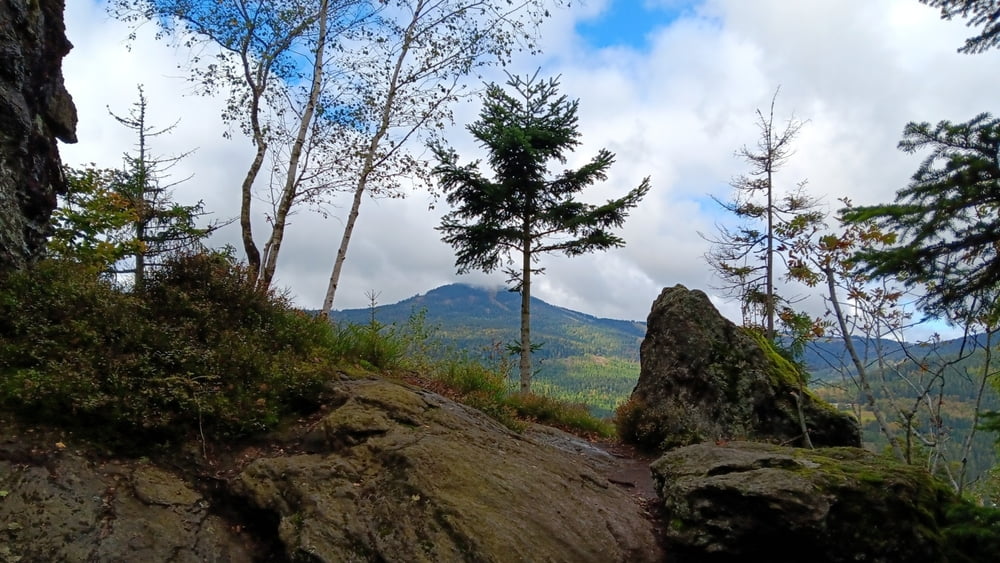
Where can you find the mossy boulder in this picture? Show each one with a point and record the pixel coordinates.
(395, 473)
(761, 502)
(702, 378)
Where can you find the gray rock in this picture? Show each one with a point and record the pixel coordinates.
(760, 502)
(388, 473)
(35, 110)
(68, 508)
(406, 475)
(702, 378)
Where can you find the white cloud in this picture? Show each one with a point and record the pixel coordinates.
(674, 109)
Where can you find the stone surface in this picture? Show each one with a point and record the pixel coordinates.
(761, 502)
(702, 378)
(401, 474)
(59, 506)
(35, 110)
(386, 472)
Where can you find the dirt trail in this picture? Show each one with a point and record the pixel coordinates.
(631, 470)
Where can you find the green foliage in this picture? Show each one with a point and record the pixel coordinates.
(124, 221)
(89, 224)
(947, 218)
(468, 376)
(554, 412)
(510, 221)
(197, 350)
(985, 13)
(971, 533)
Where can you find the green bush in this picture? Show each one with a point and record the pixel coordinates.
(470, 377)
(570, 416)
(197, 349)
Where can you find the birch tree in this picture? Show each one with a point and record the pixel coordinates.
(270, 59)
(406, 79)
(334, 94)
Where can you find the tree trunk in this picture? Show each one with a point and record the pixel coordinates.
(860, 366)
(525, 360)
(246, 191)
(345, 240)
(769, 262)
(369, 163)
(290, 189)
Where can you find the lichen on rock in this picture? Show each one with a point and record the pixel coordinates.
(761, 502)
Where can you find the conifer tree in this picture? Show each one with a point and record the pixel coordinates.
(985, 13)
(509, 221)
(947, 219)
(744, 257)
(161, 226)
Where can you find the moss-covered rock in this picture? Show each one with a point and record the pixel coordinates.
(703, 378)
(400, 474)
(759, 502)
(56, 505)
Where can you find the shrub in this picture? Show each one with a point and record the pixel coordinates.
(575, 417)
(470, 377)
(197, 349)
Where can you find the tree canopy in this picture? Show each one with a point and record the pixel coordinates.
(947, 217)
(979, 13)
(523, 212)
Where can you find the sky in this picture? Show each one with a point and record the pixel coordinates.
(670, 86)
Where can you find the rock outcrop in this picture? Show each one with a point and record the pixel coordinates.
(35, 110)
(760, 502)
(702, 378)
(388, 473)
(57, 505)
(399, 474)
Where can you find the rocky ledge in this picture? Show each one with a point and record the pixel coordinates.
(387, 473)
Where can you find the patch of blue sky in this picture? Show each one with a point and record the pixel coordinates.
(631, 23)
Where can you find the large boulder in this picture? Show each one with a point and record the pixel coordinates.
(702, 378)
(401, 474)
(760, 502)
(35, 110)
(385, 472)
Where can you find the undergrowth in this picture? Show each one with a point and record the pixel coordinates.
(196, 350)
(198, 353)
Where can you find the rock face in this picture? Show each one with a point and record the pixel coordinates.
(388, 473)
(58, 506)
(702, 378)
(399, 474)
(760, 502)
(35, 110)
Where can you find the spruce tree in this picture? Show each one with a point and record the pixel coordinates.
(509, 221)
(947, 219)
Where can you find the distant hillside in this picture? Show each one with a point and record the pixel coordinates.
(473, 318)
(582, 358)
